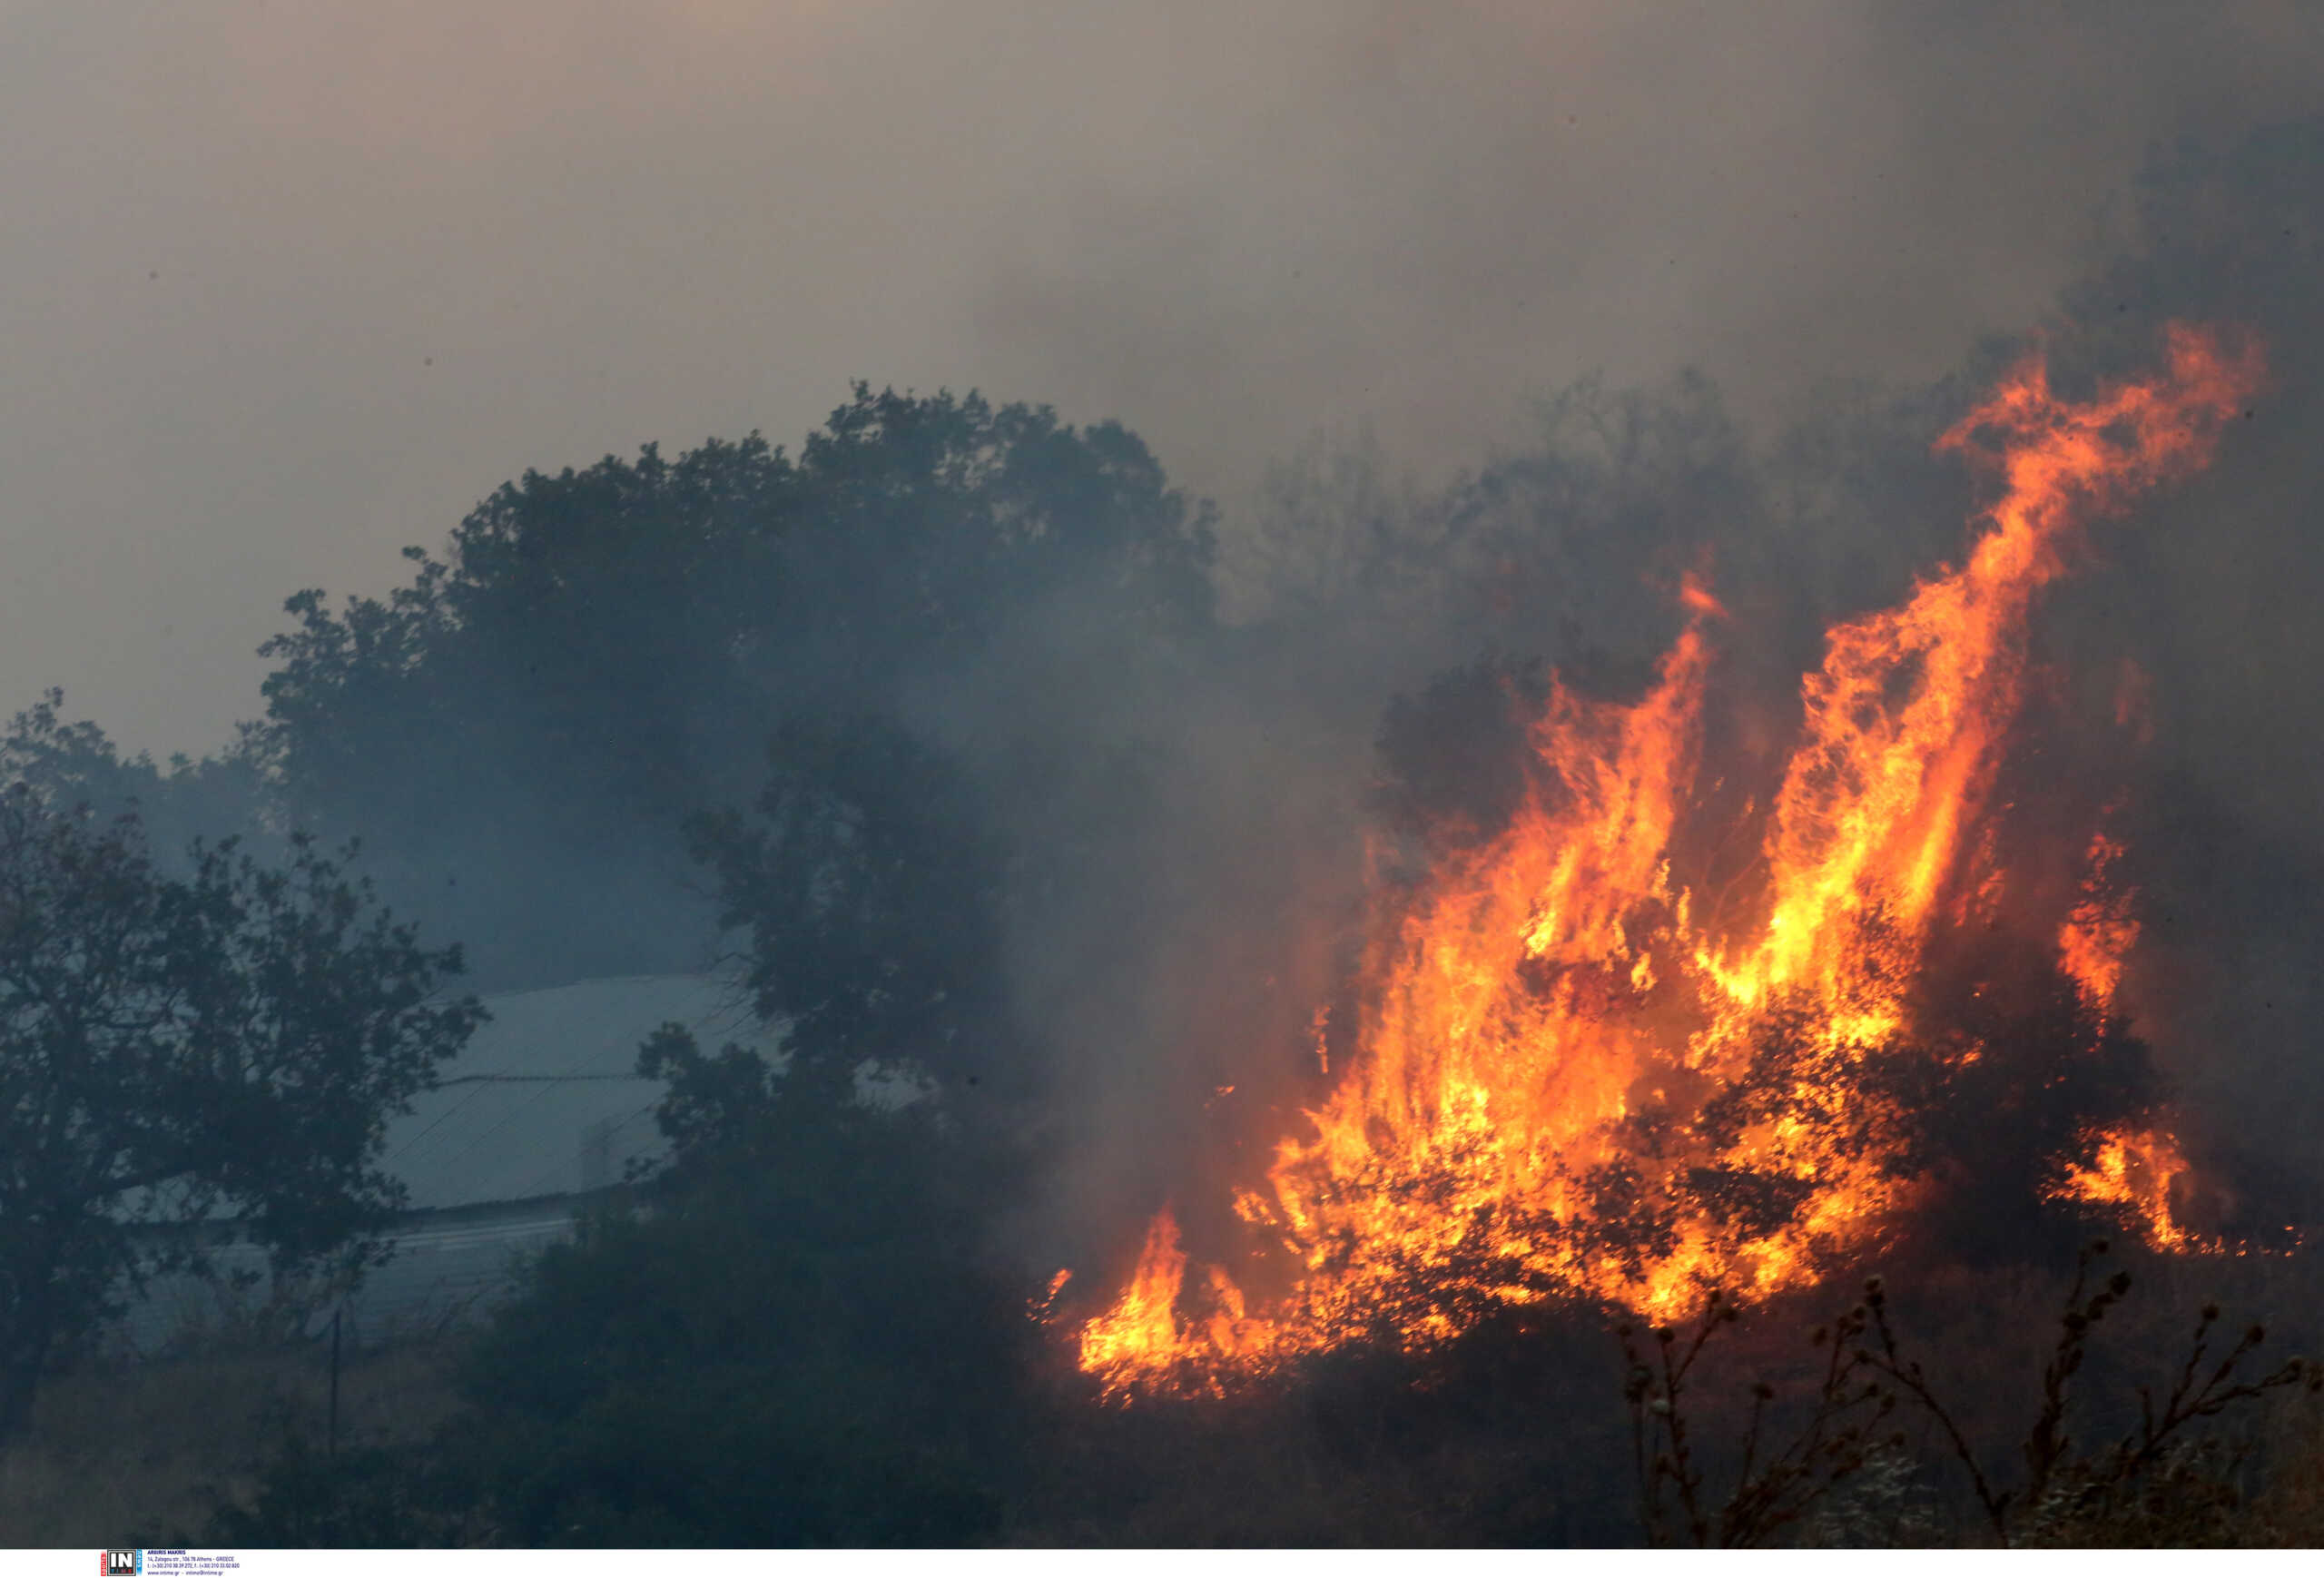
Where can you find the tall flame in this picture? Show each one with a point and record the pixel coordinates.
(1569, 1078)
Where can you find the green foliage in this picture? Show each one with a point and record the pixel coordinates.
(178, 1047)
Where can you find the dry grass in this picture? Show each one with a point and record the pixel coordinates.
(141, 1453)
(137, 1454)
(2185, 1426)
(2291, 1506)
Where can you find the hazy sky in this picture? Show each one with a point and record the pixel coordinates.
(285, 286)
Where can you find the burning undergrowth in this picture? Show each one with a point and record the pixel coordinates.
(1674, 1027)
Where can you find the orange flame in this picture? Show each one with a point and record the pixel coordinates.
(1569, 1080)
(2132, 1172)
(2100, 933)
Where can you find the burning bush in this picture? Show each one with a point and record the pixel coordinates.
(1600, 1058)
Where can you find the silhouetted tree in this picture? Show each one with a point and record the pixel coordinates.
(74, 764)
(221, 1045)
(802, 1343)
(520, 730)
(871, 896)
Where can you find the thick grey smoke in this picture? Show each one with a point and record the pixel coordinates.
(290, 287)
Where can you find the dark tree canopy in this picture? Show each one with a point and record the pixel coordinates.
(225, 796)
(176, 1049)
(804, 1343)
(871, 895)
(606, 651)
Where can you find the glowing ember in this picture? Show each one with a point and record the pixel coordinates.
(1571, 1079)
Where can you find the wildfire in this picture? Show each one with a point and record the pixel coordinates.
(2096, 937)
(1571, 1078)
(2132, 1172)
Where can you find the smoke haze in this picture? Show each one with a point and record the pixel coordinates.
(289, 288)
(1084, 763)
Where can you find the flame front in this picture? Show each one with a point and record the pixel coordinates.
(1572, 1078)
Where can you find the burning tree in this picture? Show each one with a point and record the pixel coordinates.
(1586, 1069)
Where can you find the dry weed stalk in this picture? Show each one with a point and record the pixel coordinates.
(1867, 1376)
(1775, 1487)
